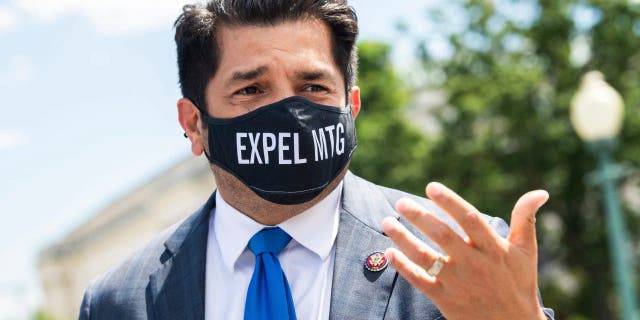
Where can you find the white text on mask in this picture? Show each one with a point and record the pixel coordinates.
(328, 142)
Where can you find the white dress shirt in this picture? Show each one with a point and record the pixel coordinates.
(307, 260)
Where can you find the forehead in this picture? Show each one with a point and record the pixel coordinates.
(290, 44)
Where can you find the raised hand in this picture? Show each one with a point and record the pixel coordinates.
(482, 276)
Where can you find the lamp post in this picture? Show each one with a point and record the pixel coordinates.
(596, 114)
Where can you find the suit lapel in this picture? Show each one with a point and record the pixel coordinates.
(176, 290)
(358, 293)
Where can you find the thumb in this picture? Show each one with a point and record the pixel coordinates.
(523, 219)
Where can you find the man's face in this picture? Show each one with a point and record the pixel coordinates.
(260, 65)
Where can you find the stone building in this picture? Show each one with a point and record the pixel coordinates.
(67, 267)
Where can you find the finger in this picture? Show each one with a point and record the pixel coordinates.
(432, 227)
(523, 219)
(466, 215)
(415, 249)
(413, 273)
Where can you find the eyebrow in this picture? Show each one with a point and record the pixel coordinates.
(248, 75)
(315, 75)
(241, 76)
(312, 75)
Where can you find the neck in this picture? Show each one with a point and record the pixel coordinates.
(243, 199)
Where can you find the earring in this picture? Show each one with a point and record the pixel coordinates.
(185, 135)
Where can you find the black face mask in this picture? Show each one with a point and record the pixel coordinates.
(286, 152)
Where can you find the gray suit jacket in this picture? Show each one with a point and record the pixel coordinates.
(166, 278)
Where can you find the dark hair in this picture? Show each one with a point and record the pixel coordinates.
(198, 50)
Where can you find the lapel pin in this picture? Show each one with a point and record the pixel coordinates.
(376, 261)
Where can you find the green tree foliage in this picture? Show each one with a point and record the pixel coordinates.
(513, 68)
(390, 152)
(42, 315)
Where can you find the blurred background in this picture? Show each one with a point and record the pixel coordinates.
(475, 94)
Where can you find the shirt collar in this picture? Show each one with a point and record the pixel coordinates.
(315, 228)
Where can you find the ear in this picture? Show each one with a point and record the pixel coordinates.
(189, 118)
(354, 100)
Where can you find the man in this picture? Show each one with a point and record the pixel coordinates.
(270, 99)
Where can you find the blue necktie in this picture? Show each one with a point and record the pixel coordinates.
(269, 295)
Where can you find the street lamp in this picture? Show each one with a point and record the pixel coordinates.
(596, 114)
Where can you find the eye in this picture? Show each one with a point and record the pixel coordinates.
(314, 88)
(248, 91)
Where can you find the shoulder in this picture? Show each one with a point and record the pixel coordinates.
(497, 223)
(122, 292)
(138, 265)
(125, 284)
(377, 193)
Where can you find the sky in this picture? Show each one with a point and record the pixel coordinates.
(87, 114)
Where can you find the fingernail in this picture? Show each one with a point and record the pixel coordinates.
(542, 196)
(434, 189)
(389, 254)
(387, 224)
(544, 193)
(403, 204)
